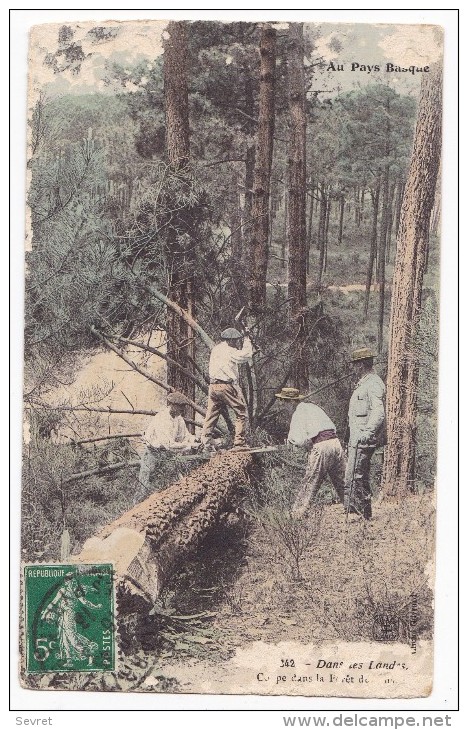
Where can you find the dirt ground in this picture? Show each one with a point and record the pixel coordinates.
(239, 604)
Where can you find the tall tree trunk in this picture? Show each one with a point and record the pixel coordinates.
(361, 206)
(236, 222)
(262, 172)
(310, 226)
(435, 216)
(249, 155)
(297, 235)
(357, 217)
(399, 199)
(321, 234)
(382, 254)
(390, 216)
(327, 225)
(403, 360)
(237, 243)
(373, 247)
(285, 229)
(180, 337)
(340, 229)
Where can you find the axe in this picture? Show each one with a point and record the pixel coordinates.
(240, 321)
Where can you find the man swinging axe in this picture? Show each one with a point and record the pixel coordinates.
(233, 350)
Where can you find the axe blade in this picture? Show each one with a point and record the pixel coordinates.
(239, 315)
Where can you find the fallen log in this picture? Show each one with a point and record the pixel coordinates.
(148, 543)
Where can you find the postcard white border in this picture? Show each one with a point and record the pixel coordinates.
(445, 678)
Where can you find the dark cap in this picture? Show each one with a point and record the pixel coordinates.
(176, 398)
(231, 334)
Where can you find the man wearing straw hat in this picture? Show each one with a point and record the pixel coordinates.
(314, 431)
(366, 420)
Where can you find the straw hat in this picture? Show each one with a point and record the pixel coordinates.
(362, 354)
(290, 394)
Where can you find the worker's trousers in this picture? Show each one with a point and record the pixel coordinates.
(150, 460)
(357, 493)
(326, 457)
(225, 394)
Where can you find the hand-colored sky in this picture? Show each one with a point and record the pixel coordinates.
(128, 43)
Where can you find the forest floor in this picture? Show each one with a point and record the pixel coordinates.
(250, 614)
(351, 577)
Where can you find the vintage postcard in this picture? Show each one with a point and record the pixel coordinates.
(231, 358)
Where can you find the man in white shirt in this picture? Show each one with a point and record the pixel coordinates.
(166, 431)
(313, 430)
(226, 356)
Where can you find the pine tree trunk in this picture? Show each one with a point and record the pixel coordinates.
(297, 234)
(327, 225)
(180, 337)
(373, 247)
(342, 207)
(382, 254)
(262, 172)
(321, 234)
(403, 360)
(285, 229)
(310, 227)
(399, 200)
(249, 157)
(237, 243)
(357, 217)
(390, 216)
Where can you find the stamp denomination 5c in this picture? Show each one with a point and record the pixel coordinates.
(69, 618)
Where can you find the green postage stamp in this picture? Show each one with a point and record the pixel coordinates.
(69, 618)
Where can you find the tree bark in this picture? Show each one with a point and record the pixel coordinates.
(327, 224)
(297, 234)
(149, 542)
(180, 338)
(249, 155)
(373, 247)
(382, 254)
(390, 216)
(321, 233)
(310, 226)
(403, 361)
(340, 230)
(285, 229)
(262, 172)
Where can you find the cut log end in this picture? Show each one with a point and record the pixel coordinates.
(149, 542)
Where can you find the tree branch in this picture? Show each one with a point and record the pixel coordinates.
(158, 353)
(100, 470)
(206, 339)
(143, 372)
